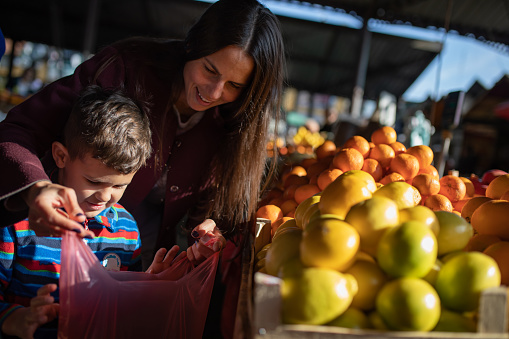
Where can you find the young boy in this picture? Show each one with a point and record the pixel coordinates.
(106, 140)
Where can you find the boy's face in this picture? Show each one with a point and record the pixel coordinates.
(97, 186)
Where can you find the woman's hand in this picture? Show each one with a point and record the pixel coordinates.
(164, 259)
(209, 241)
(23, 322)
(46, 202)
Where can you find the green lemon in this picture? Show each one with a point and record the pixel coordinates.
(407, 250)
(370, 279)
(316, 296)
(451, 321)
(420, 213)
(351, 318)
(408, 304)
(303, 207)
(463, 277)
(455, 232)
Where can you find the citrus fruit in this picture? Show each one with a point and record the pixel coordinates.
(351, 318)
(426, 183)
(398, 147)
(470, 192)
(499, 251)
(407, 250)
(271, 212)
(479, 242)
(326, 149)
(283, 248)
(430, 170)
(330, 243)
(376, 321)
(370, 279)
(491, 218)
(316, 296)
(438, 202)
(371, 218)
(277, 224)
(431, 276)
(328, 176)
(291, 268)
(408, 304)
(348, 159)
(423, 153)
(347, 190)
(391, 177)
(372, 167)
(305, 191)
(422, 214)
(288, 206)
(294, 179)
(384, 135)
(404, 194)
(382, 153)
(462, 279)
(303, 206)
(452, 187)
(295, 170)
(455, 232)
(311, 211)
(359, 143)
(451, 321)
(498, 186)
(405, 164)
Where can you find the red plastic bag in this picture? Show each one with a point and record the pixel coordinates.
(95, 303)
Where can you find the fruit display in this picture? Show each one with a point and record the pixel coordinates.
(368, 236)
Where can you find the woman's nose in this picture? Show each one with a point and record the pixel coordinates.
(216, 90)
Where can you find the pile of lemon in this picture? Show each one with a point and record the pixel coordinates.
(366, 256)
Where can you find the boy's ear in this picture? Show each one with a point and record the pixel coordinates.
(60, 154)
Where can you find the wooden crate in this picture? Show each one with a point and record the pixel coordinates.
(259, 314)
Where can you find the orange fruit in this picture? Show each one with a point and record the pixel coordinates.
(308, 162)
(426, 183)
(287, 206)
(423, 153)
(305, 191)
(294, 179)
(491, 218)
(398, 147)
(382, 153)
(271, 212)
(479, 242)
(297, 170)
(328, 176)
(438, 202)
(289, 192)
(384, 135)
(348, 159)
(458, 205)
(391, 177)
(452, 187)
(326, 149)
(430, 170)
(359, 143)
(405, 164)
(469, 185)
(505, 196)
(471, 205)
(500, 252)
(270, 195)
(498, 186)
(373, 167)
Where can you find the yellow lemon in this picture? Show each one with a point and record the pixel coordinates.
(283, 249)
(420, 213)
(370, 279)
(287, 225)
(343, 193)
(329, 243)
(351, 318)
(303, 207)
(371, 218)
(404, 194)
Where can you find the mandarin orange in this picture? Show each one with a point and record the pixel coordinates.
(287, 206)
(297, 170)
(328, 176)
(359, 143)
(498, 186)
(471, 205)
(491, 218)
(271, 212)
(382, 153)
(405, 164)
(373, 167)
(438, 202)
(305, 191)
(426, 183)
(479, 242)
(430, 169)
(398, 147)
(326, 149)
(308, 162)
(391, 177)
(452, 187)
(423, 153)
(384, 135)
(348, 159)
(500, 252)
(318, 167)
(294, 179)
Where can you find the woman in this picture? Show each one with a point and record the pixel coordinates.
(210, 98)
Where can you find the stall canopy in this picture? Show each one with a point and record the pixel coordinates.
(321, 57)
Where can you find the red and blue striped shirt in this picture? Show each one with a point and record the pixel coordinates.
(27, 262)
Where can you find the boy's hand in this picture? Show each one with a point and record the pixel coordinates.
(164, 259)
(45, 202)
(23, 322)
(209, 241)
